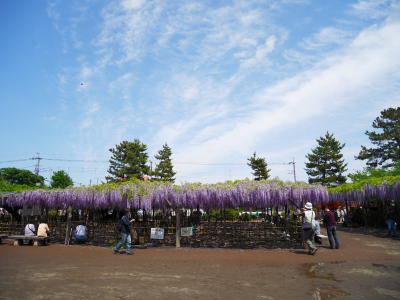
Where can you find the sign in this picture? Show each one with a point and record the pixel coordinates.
(157, 233)
(186, 231)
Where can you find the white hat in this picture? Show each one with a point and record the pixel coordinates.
(308, 205)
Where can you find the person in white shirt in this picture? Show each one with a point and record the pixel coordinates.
(309, 227)
(80, 232)
(30, 230)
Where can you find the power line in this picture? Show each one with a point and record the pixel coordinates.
(15, 160)
(77, 160)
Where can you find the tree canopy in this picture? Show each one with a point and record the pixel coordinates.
(128, 160)
(325, 162)
(164, 169)
(61, 179)
(375, 173)
(21, 177)
(386, 138)
(259, 166)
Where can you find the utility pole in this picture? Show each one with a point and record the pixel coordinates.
(38, 158)
(294, 169)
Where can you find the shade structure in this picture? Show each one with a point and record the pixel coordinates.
(369, 192)
(245, 194)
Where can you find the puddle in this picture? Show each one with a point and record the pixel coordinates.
(337, 262)
(328, 292)
(367, 272)
(393, 252)
(387, 292)
(317, 271)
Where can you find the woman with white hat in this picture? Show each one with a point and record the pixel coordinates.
(309, 227)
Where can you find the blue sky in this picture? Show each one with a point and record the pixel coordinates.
(216, 80)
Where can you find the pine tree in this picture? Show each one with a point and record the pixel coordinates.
(259, 167)
(387, 141)
(164, 169)
(128, 160)
(325, 162)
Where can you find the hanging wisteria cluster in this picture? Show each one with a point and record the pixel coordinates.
(369, 192)
(244, 194)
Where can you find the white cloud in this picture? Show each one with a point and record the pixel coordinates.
(132, 4)
(375, 8)
(261, 52)
(201, 77)
(327, 36)
(372, 58)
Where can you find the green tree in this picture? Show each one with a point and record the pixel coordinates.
(61, 179)
(164, 169)
(21, 177)
(376, 172)
(128, 160)
(386, 140)
(325, 162)
(259, 166)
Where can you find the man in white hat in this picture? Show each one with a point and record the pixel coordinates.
(309, 227)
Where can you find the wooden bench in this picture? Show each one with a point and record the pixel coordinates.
(19, 239)
(3, 236)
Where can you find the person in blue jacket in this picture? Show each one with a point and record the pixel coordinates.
(125, 229)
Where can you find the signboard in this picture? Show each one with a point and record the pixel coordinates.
(157, 233)
(186, 231)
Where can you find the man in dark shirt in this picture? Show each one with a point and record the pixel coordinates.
(330, 223)
(126, 239)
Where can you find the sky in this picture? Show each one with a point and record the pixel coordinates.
(215, 80)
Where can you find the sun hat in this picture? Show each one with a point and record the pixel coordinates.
(308, 205)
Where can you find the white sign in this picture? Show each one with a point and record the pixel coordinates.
(157, 233)
(186, 231)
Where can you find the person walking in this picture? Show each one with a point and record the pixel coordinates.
(309, 227)
(125, 229)
(330, 223)
(390, 217)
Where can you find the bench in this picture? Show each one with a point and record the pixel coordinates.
(3, 236)
(19, 239)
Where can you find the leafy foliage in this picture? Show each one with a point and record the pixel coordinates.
(5, 186)
(128, 160)
(259, 166)
(325, 162)
(386, 140)
(376, 172)
(61, 179)
(164, 169)
(21, 177)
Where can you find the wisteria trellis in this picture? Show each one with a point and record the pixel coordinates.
(369, 192)
(245, 194)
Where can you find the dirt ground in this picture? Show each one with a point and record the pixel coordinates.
(366, 267)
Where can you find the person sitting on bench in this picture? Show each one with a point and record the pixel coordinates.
(30, 231)
(80, 232)
(43, 228)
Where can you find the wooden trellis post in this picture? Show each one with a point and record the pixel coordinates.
(178, 228)
(67, 231)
